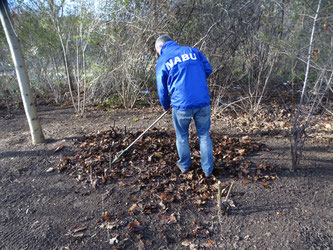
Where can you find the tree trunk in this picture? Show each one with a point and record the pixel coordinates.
(22, 74)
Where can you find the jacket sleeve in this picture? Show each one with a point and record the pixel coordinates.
(206, 64)
(162, 87)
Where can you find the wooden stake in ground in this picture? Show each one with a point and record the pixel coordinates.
(22, 74)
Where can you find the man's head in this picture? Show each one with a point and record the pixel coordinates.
(160, 41)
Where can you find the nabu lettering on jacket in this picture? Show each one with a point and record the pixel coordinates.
(181, 72)
(169, 64)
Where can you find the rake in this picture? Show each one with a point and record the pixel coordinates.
(159, 118)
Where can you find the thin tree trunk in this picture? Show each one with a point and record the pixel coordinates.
(66, 63)
(78, 77)
(298, 130)
(22, 74)
(69, 81)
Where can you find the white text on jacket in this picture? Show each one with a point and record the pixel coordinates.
(178, 59)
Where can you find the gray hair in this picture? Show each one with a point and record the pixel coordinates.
(161, 40)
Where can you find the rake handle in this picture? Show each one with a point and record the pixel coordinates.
(159, 118)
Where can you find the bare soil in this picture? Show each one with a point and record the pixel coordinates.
(44, 209)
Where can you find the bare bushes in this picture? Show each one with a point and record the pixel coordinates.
(133, 72)
(109, 52)
(242, 49)
(259, 61)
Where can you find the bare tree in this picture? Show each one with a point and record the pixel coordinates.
(306, 108)
(22, 74)
(55, 10)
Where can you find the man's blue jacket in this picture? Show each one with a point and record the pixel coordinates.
(181, 72)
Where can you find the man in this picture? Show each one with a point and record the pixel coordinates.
(181, 73)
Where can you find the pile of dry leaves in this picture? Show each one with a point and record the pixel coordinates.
(150, 165)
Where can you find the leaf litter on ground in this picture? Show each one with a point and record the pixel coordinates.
(157, 187)
(152, 161)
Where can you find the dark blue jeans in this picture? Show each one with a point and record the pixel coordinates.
(181, 121)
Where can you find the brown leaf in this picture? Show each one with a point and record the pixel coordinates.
(158, 154)
(186, 243)
(209, 243)
(149, 242)
(241, 151)
(195, 231)
(199, 202)
(196, 153)
(172, 219)
(168, 197)
(265, 184)
(161, 204)
(136, 227)
(79, 228)
(141, 245)
(315, 52)
(121, 184)
(106, 216)
(245, 139)
(132, 208)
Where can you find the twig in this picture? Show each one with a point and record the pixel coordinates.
(207, 33)
(226, 198)
(110, 162)
(219, 203)
(314, 197)
(219, 193)
(223, 206)
(92, 182)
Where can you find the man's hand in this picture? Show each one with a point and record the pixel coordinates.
(169, 110)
